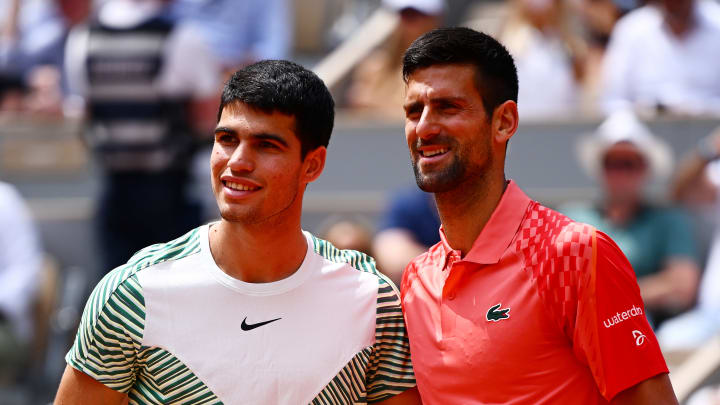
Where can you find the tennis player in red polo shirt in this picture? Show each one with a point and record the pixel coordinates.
(517, 304)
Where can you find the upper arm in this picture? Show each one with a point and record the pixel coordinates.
(110, 332)
(409, 397)
(77, 388)
(390, 373)
(653, 391)
(612, 334)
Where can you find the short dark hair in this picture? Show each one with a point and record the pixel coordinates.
(288, 88)
(495, 67)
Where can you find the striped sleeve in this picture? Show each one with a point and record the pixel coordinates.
(390, 370)
(110, 331)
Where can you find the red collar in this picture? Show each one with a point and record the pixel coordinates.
(499, 231)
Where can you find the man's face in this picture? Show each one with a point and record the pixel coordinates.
(256, 165)
(624, 172)
(446, 127)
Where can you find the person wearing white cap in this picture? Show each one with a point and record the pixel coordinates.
(376, 83)
(697, 185)
(623, 155)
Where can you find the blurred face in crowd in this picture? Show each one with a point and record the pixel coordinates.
(414, 23)
(624, 172)
(540, 13)
(446, 127)
(258, 174)
(678, 14)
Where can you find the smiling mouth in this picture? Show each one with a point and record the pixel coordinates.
(239, 187)
(433, 152)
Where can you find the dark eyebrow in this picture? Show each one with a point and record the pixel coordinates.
(261, 136)
(271, 137)
(412, 105)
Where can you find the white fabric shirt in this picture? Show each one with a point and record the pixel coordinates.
(20, 261)
(190, 67)
(545, 75)
(646, 65)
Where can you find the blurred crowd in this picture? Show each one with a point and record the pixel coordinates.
(144, 77)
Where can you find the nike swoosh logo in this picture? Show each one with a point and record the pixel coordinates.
(250, 326)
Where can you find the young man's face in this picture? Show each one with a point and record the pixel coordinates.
(257, 171)
(446, 127)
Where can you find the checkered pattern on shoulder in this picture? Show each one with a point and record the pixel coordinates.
(557, 253)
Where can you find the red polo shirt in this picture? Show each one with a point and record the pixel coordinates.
(541, 310)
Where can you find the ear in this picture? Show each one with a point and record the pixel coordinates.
(505, 122)
(313, 164)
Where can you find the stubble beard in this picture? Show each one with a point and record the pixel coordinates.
(254, 216)
(460, 171)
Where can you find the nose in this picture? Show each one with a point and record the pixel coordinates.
(427, 126)
(242, 158)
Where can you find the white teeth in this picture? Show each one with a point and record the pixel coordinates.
(430, 153)
(239, 187)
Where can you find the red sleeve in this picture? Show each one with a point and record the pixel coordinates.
(611, 332)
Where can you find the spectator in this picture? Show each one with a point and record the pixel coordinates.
(664, 56)
(697, 181)
(241, 32)
(150, 87)
(31, 52)
(20, 263)
(657, 241)
(348, 233)
(598, 18)
(408, 228)
(548, 55)
(377, 83)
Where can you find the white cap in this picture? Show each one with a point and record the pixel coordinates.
(624, 126)
(429, 7)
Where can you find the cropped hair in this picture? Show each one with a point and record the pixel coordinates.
(496, 75)
(288, 88)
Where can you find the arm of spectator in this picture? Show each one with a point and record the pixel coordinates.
(20, 257)
(394, 248)
(691, 184)
(675, 287)
(653, 391)
(617, 69)
(77, 388)
(272, 30)
(194, 71)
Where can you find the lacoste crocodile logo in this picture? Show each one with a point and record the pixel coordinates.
(496, 314)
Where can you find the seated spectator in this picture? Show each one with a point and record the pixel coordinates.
(697, 182)
(408, 228)
(664, 56)
(548, 55)
(151, 89)
(623, 155)
(32, 42)
(352, 233)
(240, 32)
(20, 264)
(376, 83)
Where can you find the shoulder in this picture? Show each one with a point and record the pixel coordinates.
(638, 20)
(543, 226)
(146, 258)
(357, 260)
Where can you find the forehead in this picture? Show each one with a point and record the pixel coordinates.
(443, 81)
(243, 118)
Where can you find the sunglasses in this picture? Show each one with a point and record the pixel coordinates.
(623, 165)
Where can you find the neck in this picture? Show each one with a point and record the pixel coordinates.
(620, 212)
(465, 211)
(259, 253)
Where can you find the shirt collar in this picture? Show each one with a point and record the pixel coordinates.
(499, 231)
